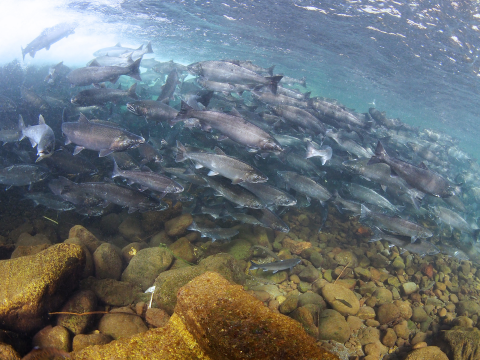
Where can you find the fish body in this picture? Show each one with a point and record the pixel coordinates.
(349, 145)
(40, 136)
(305, 185)
(187, 175)
(300, 118)
(454, 220)
(149, 153)
(168, 89)
(101, 96)
(420, 247)
(21, 175)
(269, 194)
(97, 74)
(102, 138)
(222, 164)
(57, 73)
(215, 233)
(381, 118)
(338, 113)
(369, 196)
(119, 50)
(421, 178)
(64, 162)
(269, 98)
(152, 110)
(50, 201)
(149, 179)
(234, 193)
(396, 225)
(277, 265)
(123, 60)
(48, 37)
(270, 220)
(33, 100)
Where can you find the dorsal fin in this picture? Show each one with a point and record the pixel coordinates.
(83, 119)
(41, 120)
(219, 151)
(94, 63)
(145, 168)
(118, 45)
(235, 112)
(422, 166)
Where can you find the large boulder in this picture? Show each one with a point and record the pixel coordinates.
(341, 299)
(33, 286)
(461, 343)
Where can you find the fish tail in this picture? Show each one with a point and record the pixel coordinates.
(311, 151)
(364, 212)
(23, 52)
(135, 69)
(377, 235)
(149, 48)
(21, 126)
(181, 152)
(132, 91)
(193, 226)
(273, 82)
(303, 82)
(475, 234)
(380, 155)
(116, 171)
(184, 112)
(270, 70)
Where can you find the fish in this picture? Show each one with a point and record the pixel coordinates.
(40, 136)
(97, 74)
(349, 145)
(419, 177)
(57, 74)
(167, 66)
(305, 185)
(454, 220)
(381, 118)
(101, 96)
(149, 153)
(269, 194)
(152, 110)
(269, 219)
(228, 72)
(64, 162)
(339, 113)
(21, 175)
(300, 118)
(33, 100)
(124, 59)
(396, 225)
(149, 63)
(50, 201)
(420, 247)
(148, 179)
(219, 163)
(48, 37)
(11, 135)
(215, 233)
(232, 126)
(265, 250)
(324, 152)
(277, 265)
(119, 50)
(168, 89)
(105, 139)
(369, 196)
(344, 302)
(235, 193)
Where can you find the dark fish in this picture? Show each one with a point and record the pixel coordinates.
(105, 139)
(20, 175)
(277, 265)
(169, 87)
(101, 96)
(152, 110)
(48, 37)
(187, 174)
(63, 161)
(235, 194)
(381, 118)
(33, 100)
(167, 66)
(344, 302)
(305, 185)
(149, 153)
(215, 233)
(73, 193)
(57, 73)
(421, 178)
(97, 74)
(50, 201)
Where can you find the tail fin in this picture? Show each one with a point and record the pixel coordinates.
(131, 91)
(475, 234)
(116, 171)
(184, 111)
(135, 69)
(270, 70)
(380, 155)
(273, 83)
(149, 48)
(365, 212)
(193, 226)
(181, 152)
(303, 82)
(21, 126)
(23, 53)
(377, 235)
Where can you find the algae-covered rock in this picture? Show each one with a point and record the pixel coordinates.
(184, 250)
(144, 267)
(239, 249)
(112, 292)
(52, 337)
(305, 317)
(121, 322)
(34, 285)
(82, 341)
(430, 353)
(108, 263)
(461, 343)
(178, 226)
(8, 353)
(333, 326)
(85, 236)
(81, 302)
(168, 282)
(341, 299)
(387, 313)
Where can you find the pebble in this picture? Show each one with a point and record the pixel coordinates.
(389, 338)
(383, 296)
(332, 326)
(387, 313)
(419, 314)
(118, 325)
(108, 263)
(290, 304)
(409, 288)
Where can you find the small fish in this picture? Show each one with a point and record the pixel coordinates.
(277, 265)
(344, 302)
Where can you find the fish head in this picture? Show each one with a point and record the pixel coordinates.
(195, 69)
(270, 145)
(46, 147)
(135, 109)
(125, 142)
(286, 201)
(255, 177)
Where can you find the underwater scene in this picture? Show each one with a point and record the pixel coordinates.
(239, 180)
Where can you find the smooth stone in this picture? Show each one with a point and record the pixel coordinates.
(349, 304)
(469, 307)
(80, 302)
(389, 338)
(387, 313)
(418, 338)
(312, 298)
(419, 315)
(366, 312)
(145, 267)
(290, 304)
(383, 296)
(184, 250)
(121, 322)
(354, 322)
(305, 317)
(409, 288)
(368, 335)
(402, 330)
(55, 337)
(156, 317)
(405, 309)
(81, 341)
(85, 237)
(429, 352)
(178, 226)
(332, 326)
(398, 263)
(309, 274)
(131, 250)
(108, 263)
(112, 292)
(131, 229)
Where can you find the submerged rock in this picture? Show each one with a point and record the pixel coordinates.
(429, 352)
(34, 285)
(341, 299)
(461, 343)
(333, 326)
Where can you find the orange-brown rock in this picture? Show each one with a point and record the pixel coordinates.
(296, 247)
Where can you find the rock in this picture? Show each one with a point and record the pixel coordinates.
(85, 237)
(366, 312)
(345, 257)
(81, 302)
(28, 250)
(178, 226)
(197, 329)
(379, 261)
(429, 352)
(461, 343)
(89, 269)
(368, 335)
(355, 323)
(341, 299)
(383, 296)
(239, 249)
(26, 239)
(8, 353)
(405, 309)
(112, 292)
(389, 338)
(295, 247)
(56, 337)
(110, 223)
(462, 321)
(156, 317)
(309, 274)
(398, 263)
(168, 282)
(312, 298)
(34, 285)
(131, 229)
(305, 317)
(160, 238)
(409, 288)
(108, 263)
(121, 323)
(468, 307)
(316, 259)
(145, 267)
(362, 273)
(419, 315)
(184, 250)
(418, 338)
(82, 341)
(332, 326)
(131, 250)
(387, 313)
(289, 304)
(402, 330)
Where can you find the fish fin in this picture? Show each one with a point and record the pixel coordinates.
(132, 210)
(181, 152)
(384, 187)
(413, 239)
(77, 149)
(270, 70)
(198, 166)
(116, 171)
(235, 112)
(236, 181)
(94, 63)
(113, 80)
(140, 47)
(83, 119)
(149, 48)
(132, 91)
(105, 152)
(32, 142)
(364, 212)
(41, 120)
(393, 173)
(21, 127)
(422, 166)
(117, 45)
(212, 173)
(67, 142)
(273, 83)
(135, 69)
(219, 151)
(145, 169)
